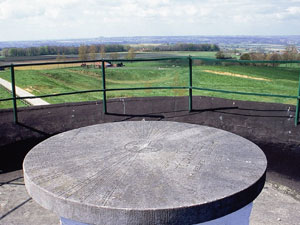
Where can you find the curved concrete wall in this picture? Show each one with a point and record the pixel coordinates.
(269, 125)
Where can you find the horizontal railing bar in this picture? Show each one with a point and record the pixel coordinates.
(150, 88)
(147, 59)
(144, 88)
(6, 99)
(245, 93)
(151, 59)
(60, 94)
(91, 61)
(246, 61)
(89, 91)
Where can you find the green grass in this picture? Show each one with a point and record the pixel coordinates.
(8, 104)
(184, 53)
(290, 65)
(278, 80)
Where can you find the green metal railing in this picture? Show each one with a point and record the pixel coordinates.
(190, 87)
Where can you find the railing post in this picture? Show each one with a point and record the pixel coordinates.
(298, 105)
(13, 91)
(104, 87)
(190, 84)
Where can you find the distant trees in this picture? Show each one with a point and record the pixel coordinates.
(72, 50)
(222, 55)
(82, 53)
(60, 57)
(43, 50)
(4, 52)
(290, 54)
(116, 48)
(115, 55)
(187, 47)
(93, 52)
(258, 56)
(273, 57)
(55, 50)
(102, 51)
(245, 56)
(131, 54)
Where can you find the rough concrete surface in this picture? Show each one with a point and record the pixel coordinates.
(269, 125)
(145, 172)
(272, 207)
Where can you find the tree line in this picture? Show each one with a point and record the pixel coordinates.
(59, 50)
(112, 48)
(186, 47)
(289, 54)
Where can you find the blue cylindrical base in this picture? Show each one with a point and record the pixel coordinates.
(240, 217)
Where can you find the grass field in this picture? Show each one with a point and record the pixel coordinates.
(7, 104)
(184, 53)
(47, 67)
(256, 79)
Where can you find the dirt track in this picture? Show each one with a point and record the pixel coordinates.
(235, 75)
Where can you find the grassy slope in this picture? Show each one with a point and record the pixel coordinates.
(282, 81)
(149, 74)
(7, 104)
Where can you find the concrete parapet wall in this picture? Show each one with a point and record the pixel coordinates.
(269, 125)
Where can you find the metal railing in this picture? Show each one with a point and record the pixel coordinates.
(190, 87)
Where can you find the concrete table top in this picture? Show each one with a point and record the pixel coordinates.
(144, 173)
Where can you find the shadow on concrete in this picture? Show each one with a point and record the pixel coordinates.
(34, 129)
(131, 116)
(12, 156)
(269, 125)
(12, 210)
(247, 112)
(10, 182)
(251, 115)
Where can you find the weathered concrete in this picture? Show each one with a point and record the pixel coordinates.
(269, 125)
(274, 206)
(145, 172)
(17, 207)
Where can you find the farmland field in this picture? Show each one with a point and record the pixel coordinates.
(183, 53)
(255, 79)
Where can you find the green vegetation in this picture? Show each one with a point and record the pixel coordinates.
(242, 78)
(290, 54)
(7, 104)
(67, 50)
(207, 54)
(278, 81)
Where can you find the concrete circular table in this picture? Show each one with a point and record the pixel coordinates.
(146, 173)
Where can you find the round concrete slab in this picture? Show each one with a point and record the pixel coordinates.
(144, 173)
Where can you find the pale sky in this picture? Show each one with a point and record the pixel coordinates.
(61, 19)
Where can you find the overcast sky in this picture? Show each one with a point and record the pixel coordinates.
(59, 19)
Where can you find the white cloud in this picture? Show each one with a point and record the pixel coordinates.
(294, 10)
(77, 18)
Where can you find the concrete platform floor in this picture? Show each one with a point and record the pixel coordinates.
(274, 206)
